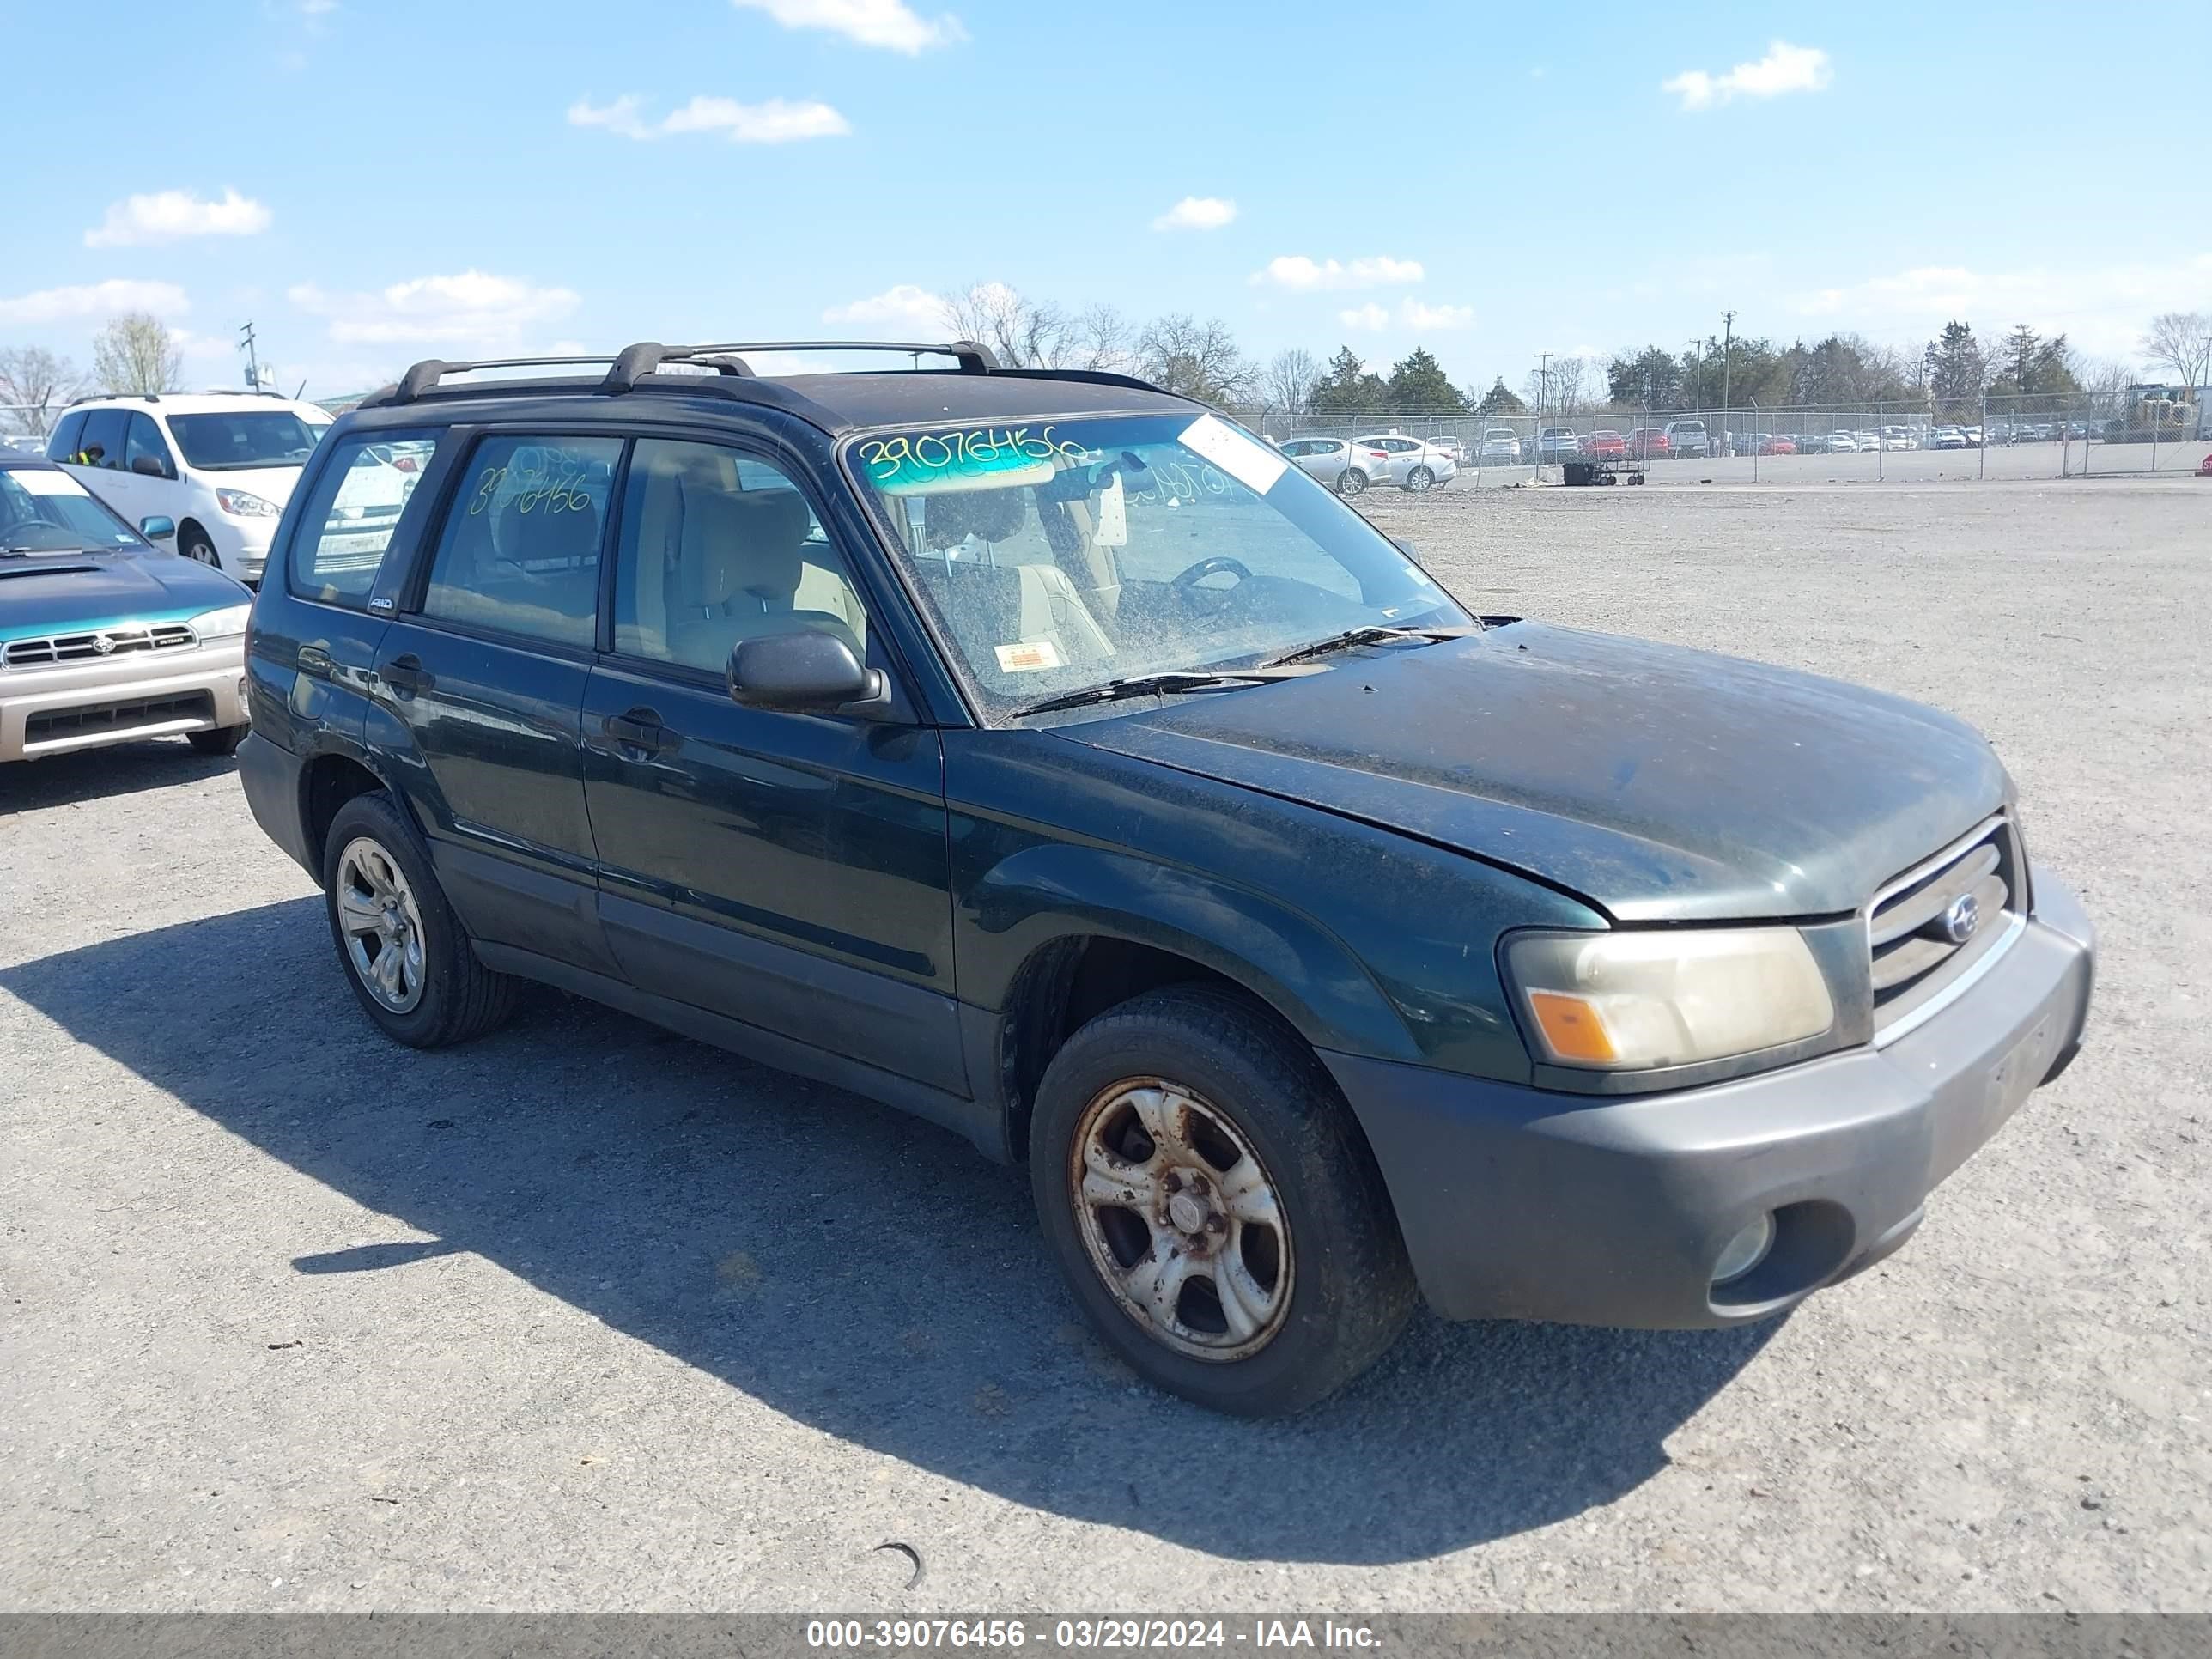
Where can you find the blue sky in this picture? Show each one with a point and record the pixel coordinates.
(374, 183)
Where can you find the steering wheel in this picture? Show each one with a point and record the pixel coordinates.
(1204, 567)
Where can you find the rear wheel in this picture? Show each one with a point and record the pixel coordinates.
(1212, 1206)
(1420, 481)
(404, 952)
(1351, 482)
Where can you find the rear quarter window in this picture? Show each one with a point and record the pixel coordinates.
(345, 526)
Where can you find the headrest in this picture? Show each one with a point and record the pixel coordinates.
(543, 532)
(748, 542)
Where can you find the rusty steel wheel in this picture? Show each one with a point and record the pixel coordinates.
(1181, 1218)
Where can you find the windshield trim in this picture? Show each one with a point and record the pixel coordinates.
(980, 708)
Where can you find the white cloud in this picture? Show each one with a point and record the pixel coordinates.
(2101, 309)
(100, 299)
(776, 122)
(1784, 68)
(1295, 270)
(891, 24)
(474, 309)
(1414, 314)
(167, 215)
(1371, 316)
(1197, 213)
(903, 304)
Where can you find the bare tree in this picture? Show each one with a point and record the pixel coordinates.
(1021, 333)
(1563, 389)
(2181, 340)
(1197, 359)
(1099, 338)
(34, 383)
(134, 353)
(1288, 382)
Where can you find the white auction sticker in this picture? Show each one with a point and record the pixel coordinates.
(1027, 654)
(1113, 527)
(1251, 463)
(38, 481)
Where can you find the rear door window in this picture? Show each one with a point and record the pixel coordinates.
(346, 523)
(520, 553)
(102, 443)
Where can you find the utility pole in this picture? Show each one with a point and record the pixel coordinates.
(253, 361)
(1543, 396)
(1728, 323)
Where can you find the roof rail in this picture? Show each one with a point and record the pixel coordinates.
(972, 357)
(424, 376)
(104, 396)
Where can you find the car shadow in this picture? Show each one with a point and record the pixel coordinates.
(853, 1267)
(102, 773)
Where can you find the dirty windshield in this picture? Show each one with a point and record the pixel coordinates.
(1060, 555)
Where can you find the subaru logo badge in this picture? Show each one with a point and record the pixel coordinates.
(1961, 919)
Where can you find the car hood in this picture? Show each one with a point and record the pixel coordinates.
(50, 593)
(1657, 783)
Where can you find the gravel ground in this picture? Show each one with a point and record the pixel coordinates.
(588, 1316)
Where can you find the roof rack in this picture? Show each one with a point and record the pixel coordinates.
(106, 397)
(634, 363)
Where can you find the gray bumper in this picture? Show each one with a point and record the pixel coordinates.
(270, 778)
(1519, 1203)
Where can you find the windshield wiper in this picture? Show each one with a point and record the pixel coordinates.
(1154, 685)
(1370, 636)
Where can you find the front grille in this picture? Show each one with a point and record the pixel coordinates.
(56, 723)
(1913, 922)
(86, 647)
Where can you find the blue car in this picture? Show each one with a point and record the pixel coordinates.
(106, 637)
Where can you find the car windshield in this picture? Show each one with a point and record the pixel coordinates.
(1058, 557)
(234, 438)
(42, 509)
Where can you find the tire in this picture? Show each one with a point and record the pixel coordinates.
(1340, 1289)
(1420, 481)
(1351, 482)
(222, 740)
(196, 546)
(454, 997)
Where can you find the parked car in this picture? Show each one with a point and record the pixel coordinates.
(222, 465)
(1451, 449)
(1689, 439)
(1776, 443)
(1947, 437)
(104, 637)
(1345, 466)
(1413, 464)
(1557, 443)
(1840, 443)
(1651, 443)
(1899, 437)
(1152, 844)
(1501, 446)
(26, 443)
(1606, 445)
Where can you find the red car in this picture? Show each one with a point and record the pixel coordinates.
(1606, 444)
(1651, 442)
(1771, 445)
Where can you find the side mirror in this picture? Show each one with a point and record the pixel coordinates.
(149, 466)
(805, 670)
(157, 529)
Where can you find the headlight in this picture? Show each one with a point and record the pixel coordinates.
(1628, 1001)
(241, 504)
(223, 624)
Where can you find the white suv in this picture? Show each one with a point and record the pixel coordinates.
(219, 465)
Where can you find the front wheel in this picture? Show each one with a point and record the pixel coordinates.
(196, 547)
(1352, 482)
(1420, 481)
(1214, 1207)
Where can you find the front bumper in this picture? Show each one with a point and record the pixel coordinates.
(244, 545)
(85, 705)
(1519, 1203)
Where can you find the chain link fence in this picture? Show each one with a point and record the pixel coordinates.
(2140, 432)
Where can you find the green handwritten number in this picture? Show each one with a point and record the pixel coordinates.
(487, 488)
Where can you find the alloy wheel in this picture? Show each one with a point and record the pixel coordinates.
(1181, 1219)
(382, 927)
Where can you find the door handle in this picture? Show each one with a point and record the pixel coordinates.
(313, 660)
(405, 674)
(640, 729)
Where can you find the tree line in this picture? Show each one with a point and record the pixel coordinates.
(1201, 359)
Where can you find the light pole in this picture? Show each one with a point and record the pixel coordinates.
(1727, 321)
(1543, 396)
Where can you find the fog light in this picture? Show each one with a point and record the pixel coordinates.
(1745, 1251)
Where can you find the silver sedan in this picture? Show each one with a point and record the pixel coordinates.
(1410, 463)
(1345, 467)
